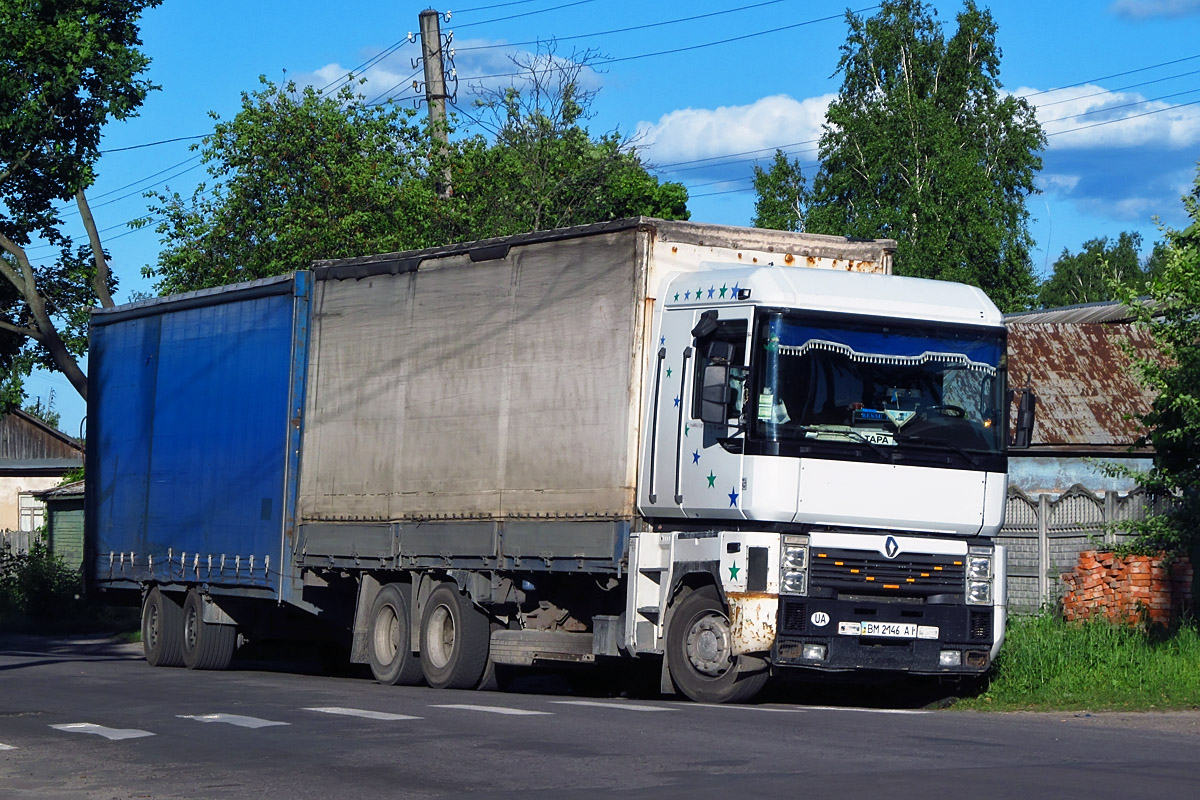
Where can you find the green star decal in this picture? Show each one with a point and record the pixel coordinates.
(685, 430)
(723, 290)
(677, 297)
(733, 571)
(668, 372)
(712, 480)
(698, 291)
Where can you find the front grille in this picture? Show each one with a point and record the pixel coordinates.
(795, 615)
(981, 625)
(911, 575)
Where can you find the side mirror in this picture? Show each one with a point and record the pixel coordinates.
(715, 395)
(1026, 413)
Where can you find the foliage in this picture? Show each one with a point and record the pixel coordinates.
(544, 169)
(36, 585)
(1087, 276)
(1173, 423)
(1049, 664)
(781, 194)
(44, 410)
(69, 68)
(301, 176)
(921, 146)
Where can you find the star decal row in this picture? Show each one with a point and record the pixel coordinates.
(714, 292)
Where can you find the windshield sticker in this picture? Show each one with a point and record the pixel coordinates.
(880, 358)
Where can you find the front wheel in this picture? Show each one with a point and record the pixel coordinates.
(454, 640)
(700, 652)
(206, 645)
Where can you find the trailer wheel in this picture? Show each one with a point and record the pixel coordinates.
(389, 648)
(206, 645)
(699, 655)
(454, 640)
(162, 630)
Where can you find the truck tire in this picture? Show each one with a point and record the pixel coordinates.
(454, 640)
(162, 630)
(698, 652)
(206, 645)
(389, 643)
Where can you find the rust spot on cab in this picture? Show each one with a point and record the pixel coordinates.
(789, 259)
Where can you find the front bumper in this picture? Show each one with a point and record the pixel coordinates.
(816, 621)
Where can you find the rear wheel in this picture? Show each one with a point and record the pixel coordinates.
(390, 647)
(454, 640)
(206, 645)
(700, 653)
(162, 630)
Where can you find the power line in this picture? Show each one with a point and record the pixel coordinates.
(1119, 89)
(1114, 75)
(1125, 105)
(622, 30)
(494, 5)
(152, 144)
(524, 14)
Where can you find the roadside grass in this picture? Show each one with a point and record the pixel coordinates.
(1047, 664)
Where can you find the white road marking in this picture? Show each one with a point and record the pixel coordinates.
(687, 703)
(868, 710)
(112, 734)
(4, 746)
(516, 712)
(233, 719)
(622, 706)
(362, 712)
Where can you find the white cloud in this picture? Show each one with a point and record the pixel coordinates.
(697, 133)
(1070, 118)
(1057, 183)
(1143, 9)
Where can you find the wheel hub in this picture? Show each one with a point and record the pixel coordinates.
(708, 645)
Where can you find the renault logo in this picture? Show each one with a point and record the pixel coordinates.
(891, 548)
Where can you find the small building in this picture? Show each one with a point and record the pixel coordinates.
(1062, 500)
(33, 457)
(64, 522)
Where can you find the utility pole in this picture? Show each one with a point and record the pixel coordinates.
(435, 88)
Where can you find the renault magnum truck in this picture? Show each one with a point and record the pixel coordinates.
(735, 453)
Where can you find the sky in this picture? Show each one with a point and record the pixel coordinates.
(706, 89)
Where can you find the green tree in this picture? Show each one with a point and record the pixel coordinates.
(68, 69)
(921, 145)
(1173, 422)
(298, 176)
(781, 194)
(544, 169)
(1087, 276)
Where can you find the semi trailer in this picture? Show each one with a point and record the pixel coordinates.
(730, 453)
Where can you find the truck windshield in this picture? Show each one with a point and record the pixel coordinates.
(893, 386)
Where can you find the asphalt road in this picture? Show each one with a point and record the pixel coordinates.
(88, 718)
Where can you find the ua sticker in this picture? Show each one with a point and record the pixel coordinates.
(820, 619)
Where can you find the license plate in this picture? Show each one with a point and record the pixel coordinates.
(890, 630)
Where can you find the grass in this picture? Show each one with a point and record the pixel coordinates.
(1047, 664)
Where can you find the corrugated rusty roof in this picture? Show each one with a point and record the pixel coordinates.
(1080, 372)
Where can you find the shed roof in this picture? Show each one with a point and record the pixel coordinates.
(67, 490)
(1087, 395)
(24, 437)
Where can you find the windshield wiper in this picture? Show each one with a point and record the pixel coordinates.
(886, 455)
(921, 440)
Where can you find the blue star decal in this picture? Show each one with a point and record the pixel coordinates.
(687, 295)
(696, 457)
(677, 402)
(662, 340)
(733, 496)
(734, 291)
(711, 291)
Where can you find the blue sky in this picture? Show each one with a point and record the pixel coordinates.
(704, 97)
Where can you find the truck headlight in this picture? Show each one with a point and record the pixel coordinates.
(979, 593)
(793, 565)
(979, 567)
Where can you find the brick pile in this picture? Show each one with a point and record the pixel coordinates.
(1134, 590)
